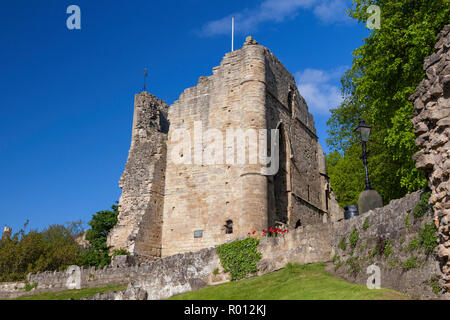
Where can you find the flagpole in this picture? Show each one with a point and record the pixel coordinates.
(232, 34)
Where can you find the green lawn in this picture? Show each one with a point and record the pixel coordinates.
(295, 282)
(71, 294)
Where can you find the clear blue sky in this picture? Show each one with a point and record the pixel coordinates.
(67, 95)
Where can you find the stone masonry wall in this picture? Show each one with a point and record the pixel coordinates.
(432, 127)
(305, 197)
(189, 271)
(141, 205)
(250, 90)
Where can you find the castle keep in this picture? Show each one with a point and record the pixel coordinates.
(170, 206)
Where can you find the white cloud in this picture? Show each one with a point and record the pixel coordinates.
(327, 11)
(320, 89)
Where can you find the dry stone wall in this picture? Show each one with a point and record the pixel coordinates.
(432, 127)
(389, 238)
(141, 205)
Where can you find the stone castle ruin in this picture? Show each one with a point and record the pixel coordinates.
(174, 213)
(168, 207)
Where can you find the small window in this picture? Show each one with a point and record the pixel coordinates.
(229, 227)
(298, 224)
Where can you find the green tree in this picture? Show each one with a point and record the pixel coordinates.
(53, 249)
(386, 70)
(102, 222)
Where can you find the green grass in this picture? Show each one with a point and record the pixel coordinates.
(295, 282)
(71, 294)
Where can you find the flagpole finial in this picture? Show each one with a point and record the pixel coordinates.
(145, 73)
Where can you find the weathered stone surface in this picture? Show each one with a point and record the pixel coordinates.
(7, 232)
(369, 200)
(309, 244)
(140, 209)
(168, 207)
(433, 158)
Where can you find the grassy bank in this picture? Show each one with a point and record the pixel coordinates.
(295, 282)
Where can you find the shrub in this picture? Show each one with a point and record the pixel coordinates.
(413, 245)
(343, 244)
(240, 257)
(29, 286)
(120, 252)
(388, 248)
(102, 222)
(435, 287)
(427, 238)
(53, 249)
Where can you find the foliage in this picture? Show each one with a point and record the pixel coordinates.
(386, 70)
(434, 283)
(343, 244)
(29, 286)
(354, 237)
(423, 205)
(388, 248)
(366, 224)
(239, 257)
(353, 263)
(102, 222)
(413, 245)
(120, 252)
(428, 238)
(411, 263)
(407, 224)
(53, 249)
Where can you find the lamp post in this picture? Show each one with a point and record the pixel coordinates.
(364, 132)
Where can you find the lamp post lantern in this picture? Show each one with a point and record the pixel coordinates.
(364, 131)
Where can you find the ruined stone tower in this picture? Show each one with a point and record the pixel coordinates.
(176, 200)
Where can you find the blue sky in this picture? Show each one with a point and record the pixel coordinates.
(67, 95)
